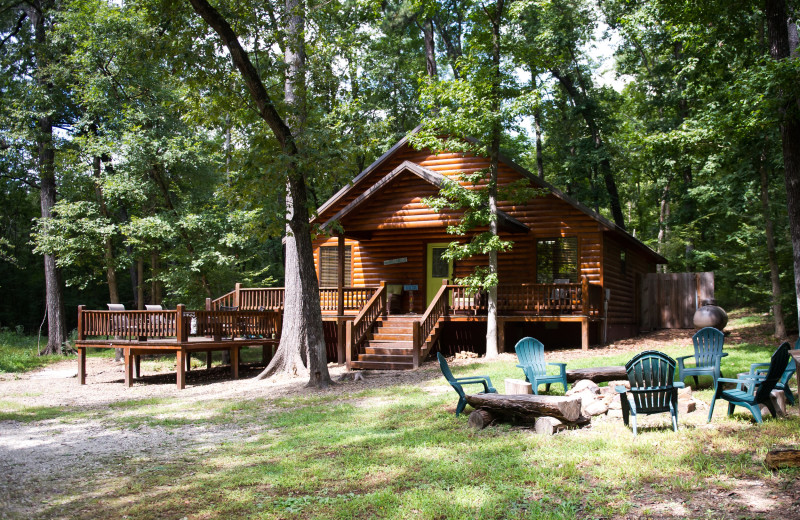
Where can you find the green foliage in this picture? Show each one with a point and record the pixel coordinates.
(18, 352)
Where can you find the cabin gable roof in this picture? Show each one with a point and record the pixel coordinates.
(507, 222)
(359, 191)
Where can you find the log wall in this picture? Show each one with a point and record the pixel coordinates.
(402, 226)
(624, 284)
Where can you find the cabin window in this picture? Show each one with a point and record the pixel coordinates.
(329, 266)
(557, 259)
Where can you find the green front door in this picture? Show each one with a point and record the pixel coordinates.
(438, 269)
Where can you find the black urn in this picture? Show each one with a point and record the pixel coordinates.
(710, 315)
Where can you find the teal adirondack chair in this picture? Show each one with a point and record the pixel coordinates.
(457, 383)
(653, 387)
(530, 353)
(751, 392)
(760, 369)
(708, 354)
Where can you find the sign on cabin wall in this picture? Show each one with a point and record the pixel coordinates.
(395, 261)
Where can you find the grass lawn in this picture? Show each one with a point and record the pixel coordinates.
(398, 451)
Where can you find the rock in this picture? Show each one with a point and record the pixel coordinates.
(582, 385)
(621, 382)
(596, 408)
(685, 392)
(616, 413)
(607, 390)
(466, 355)
(685, 406)
(616, 403)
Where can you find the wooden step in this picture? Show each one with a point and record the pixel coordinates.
(393, 351)
(385, 358)
(392, 329)
(380, 365)
(380, 336)
(387, 344)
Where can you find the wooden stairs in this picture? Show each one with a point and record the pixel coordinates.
(390, 345)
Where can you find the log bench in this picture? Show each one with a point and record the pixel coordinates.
(525, 408)
(597, 374)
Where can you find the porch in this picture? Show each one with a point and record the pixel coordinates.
(363, 333)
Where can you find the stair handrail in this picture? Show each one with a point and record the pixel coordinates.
(364, 320)
(433, 313)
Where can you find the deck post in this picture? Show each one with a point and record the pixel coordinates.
(235, 361)
(585, 295)
(348, 343)
(585, 333)
(128, 366)
(208, 304)
(237, 295)
(81, 365)
(81, 333)
(415, 342)
(180, 326)
(340, 339)
(181, 369)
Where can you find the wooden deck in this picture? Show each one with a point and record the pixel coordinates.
(180, 331)
(134, 349)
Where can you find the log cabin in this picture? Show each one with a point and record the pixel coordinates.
(388, 297)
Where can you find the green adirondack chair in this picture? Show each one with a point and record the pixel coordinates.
(760, 369)
(653, 387)
(530, 353)
(457, 383)
(751, 392)
(708, 354)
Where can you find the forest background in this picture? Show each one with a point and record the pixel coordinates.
(134, 162)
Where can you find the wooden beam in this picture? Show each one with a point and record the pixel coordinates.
(128, 367)
(181, 370)
(235, 361)
(585, 334)
(82, 365)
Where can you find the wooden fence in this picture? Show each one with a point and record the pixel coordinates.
(669, 301)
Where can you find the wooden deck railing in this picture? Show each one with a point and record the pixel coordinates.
(273, 298)
(358, 329)
(536, 299)
(435, 311)
(243, 324)
(354, 297)
(127, 324)
(177, 324)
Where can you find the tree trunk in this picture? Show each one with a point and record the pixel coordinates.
(108, 247)
(537, 117)
(663, 223)
(774, 274)
(302, 345)
(494, 158)
(580, 101)
(56, 326)
(778, 34)
(430, 48)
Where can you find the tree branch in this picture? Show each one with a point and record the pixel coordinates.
(16, 29)
(266, 108)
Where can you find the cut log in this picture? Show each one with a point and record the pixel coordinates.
(480, 419)
(548, 425)
(518, 387)
(597, 374)
(528, 407)
(783, 458)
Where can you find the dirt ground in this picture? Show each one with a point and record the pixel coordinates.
(46, 454)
